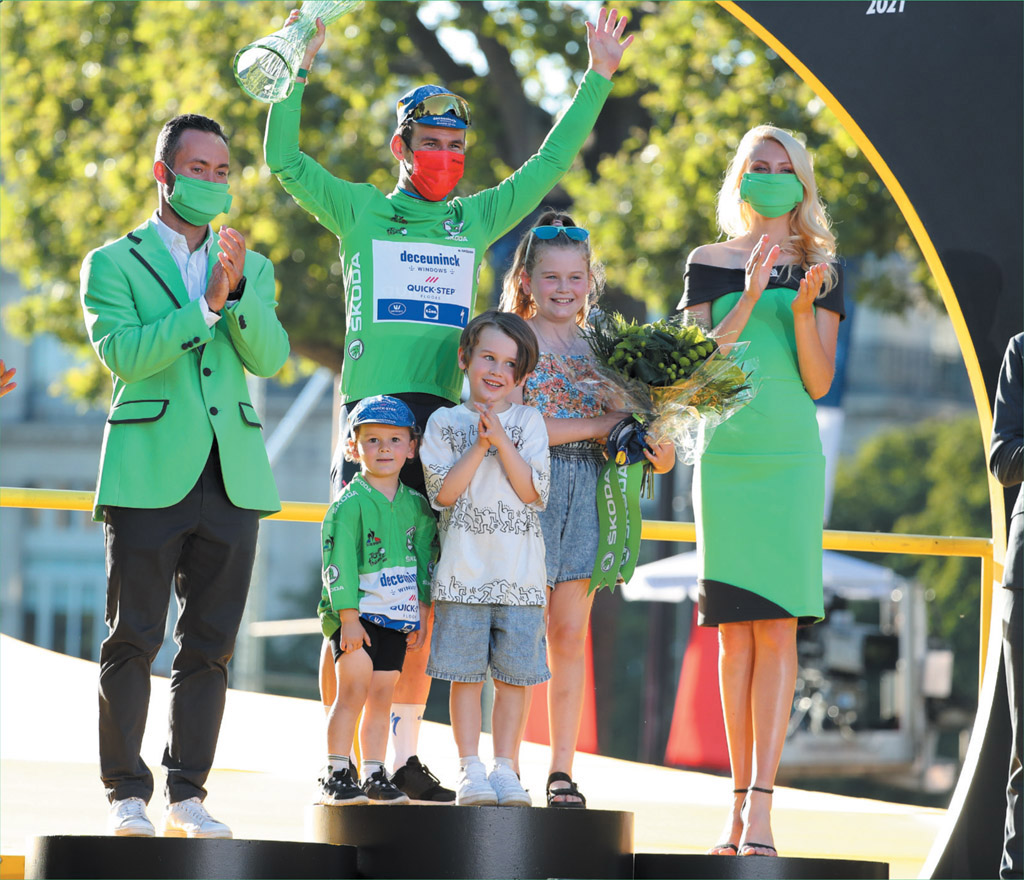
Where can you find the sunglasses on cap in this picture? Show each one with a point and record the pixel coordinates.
(440, 105)
(546, 233)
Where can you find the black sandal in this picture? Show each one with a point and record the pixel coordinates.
(734, 847)
(569, 791)
(774, 851)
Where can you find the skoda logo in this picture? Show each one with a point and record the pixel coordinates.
(355, 349)
(397, 308)
(606, 563)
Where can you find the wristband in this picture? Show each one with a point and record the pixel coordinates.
(302, 74)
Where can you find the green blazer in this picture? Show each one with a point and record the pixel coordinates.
(177, 382)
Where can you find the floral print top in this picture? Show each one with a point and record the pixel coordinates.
(560, 387)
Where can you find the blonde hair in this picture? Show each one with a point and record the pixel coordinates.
(811, 237)
(515, 299)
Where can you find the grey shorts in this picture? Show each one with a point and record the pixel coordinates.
(509, 639)
(569, 521)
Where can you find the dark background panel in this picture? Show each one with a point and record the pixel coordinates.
(937, 89)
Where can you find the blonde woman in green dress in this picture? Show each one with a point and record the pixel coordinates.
(758, 490)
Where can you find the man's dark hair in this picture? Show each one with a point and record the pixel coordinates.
(169, 139)
(404, 131)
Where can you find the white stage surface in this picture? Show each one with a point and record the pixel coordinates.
(271, 749)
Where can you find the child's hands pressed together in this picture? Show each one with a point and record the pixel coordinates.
(482, 440)
(353, 636)
(490, 430)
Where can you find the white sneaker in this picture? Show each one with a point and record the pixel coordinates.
(128, 818)
(509, 789)
(473, 788)
(190, 819)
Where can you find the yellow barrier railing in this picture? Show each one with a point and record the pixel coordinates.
(654, 530)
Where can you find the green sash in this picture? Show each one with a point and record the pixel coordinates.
(618, 512)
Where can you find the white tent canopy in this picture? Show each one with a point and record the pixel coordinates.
(675, 578)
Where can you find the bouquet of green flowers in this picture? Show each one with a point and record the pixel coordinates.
(679, 385)
(678, 382)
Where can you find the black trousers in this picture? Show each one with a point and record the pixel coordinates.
(205, 547)
(1013, 636)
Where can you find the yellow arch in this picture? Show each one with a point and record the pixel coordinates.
(931, 256)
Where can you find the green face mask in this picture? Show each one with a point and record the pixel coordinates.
(198, 201)
(771, 195)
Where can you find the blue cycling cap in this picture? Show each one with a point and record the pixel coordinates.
(433, 105)
(382, 410)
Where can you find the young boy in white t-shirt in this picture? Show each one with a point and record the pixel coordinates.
(487, 471)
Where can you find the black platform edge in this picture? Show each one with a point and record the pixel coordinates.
(673, 866)
(168, 857)
(481, 843)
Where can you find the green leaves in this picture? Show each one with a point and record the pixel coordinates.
(86, 87)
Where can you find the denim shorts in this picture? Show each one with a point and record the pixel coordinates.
(469, 638)
(569, 522)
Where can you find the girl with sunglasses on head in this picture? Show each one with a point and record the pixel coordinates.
(759, 488)
(552, 283)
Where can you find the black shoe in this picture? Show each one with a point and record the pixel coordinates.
(338, 790)
(420, 784)
(381, 790)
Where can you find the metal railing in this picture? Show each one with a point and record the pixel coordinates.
(654, 530)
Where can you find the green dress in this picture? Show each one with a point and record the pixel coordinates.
(759, 488)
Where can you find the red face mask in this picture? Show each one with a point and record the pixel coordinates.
(435, 172)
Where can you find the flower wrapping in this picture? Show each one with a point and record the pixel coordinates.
(679, 383)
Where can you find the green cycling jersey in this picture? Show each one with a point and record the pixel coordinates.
(377, 557)
(409, 265)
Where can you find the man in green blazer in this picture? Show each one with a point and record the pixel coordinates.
(178, 314)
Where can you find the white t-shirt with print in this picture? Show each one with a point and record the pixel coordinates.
(492, 547)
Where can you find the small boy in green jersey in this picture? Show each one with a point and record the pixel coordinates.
(378, 543)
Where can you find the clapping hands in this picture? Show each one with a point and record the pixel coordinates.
(810, 287)
(758, 270)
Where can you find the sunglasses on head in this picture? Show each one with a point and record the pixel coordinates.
(439, 105)
(546, 233)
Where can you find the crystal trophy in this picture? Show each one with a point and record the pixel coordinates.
(266, 69)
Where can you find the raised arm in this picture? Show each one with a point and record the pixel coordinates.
(504, 205)
(312, 186)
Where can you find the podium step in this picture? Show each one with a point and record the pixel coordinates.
(480, 843)
(76, 857)
(673, 866)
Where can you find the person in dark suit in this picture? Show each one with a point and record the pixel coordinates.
(1006, 461)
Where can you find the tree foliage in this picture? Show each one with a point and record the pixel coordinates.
(926, 480)
(76, 144)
